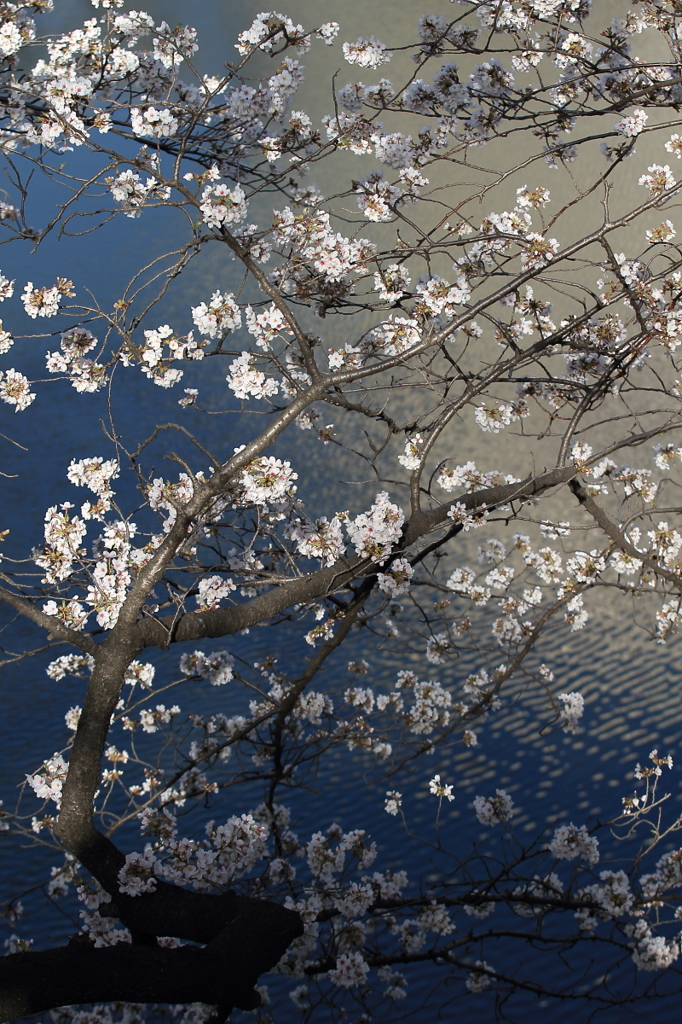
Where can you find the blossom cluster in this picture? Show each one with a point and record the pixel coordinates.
(374, 533)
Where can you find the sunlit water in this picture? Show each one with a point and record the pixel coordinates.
(631, 686)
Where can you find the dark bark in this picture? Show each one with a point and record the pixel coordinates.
(222, 973)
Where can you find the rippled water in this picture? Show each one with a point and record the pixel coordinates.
(631, 686)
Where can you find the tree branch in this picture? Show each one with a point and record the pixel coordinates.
(223, 972)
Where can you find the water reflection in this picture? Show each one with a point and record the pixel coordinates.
(631, 687)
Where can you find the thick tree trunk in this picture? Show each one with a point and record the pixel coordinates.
(223, 972)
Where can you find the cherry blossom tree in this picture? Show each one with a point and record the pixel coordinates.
(473, 297)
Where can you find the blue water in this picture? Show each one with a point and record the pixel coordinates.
(632, 688)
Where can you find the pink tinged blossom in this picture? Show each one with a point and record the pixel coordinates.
(258, 248)
(74, 345)
(388, 885)
(101, 930)
(89, 377)
(106, 594)
(490, 551)
(239, 844)
(665, 543)
(624, 563)
(350, 131)
(435, 918)
(140, 672)
(222, 205)
(668, 619)
(322, 632)
(547, 564)
(508, 630)
(283, 84)
(351, 970)
(468, 478)
(307, 419)
(299, 997)
(479, 910)
(350, 357)
(430, 709)
(636, 481)
(313, 706)
(355, 900)
(166, 495)
(150, 719)
(324, 860)
(546, 888)
(360, 697)
(613, 897)
(11, 39)
(15, 944)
